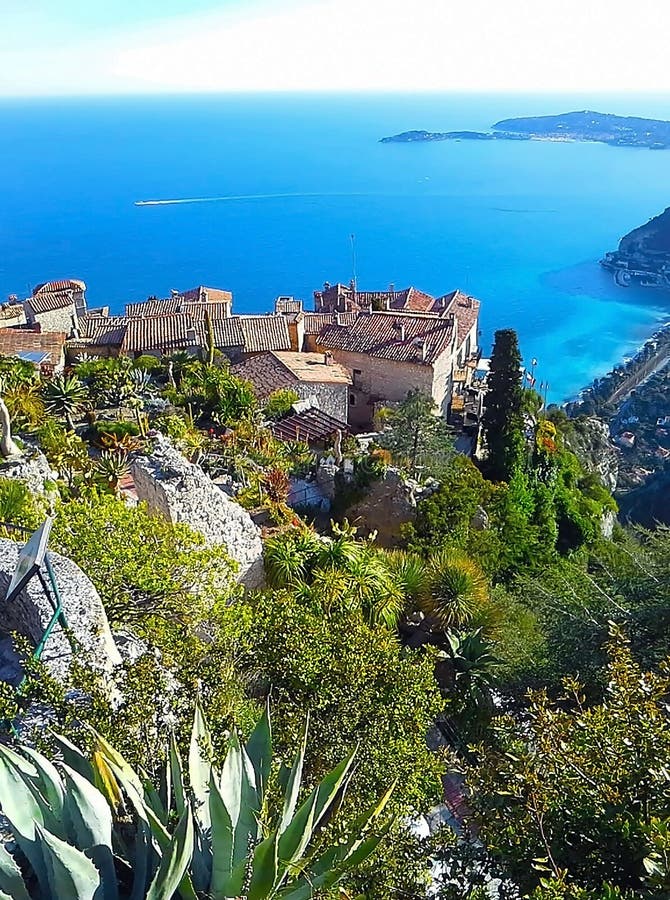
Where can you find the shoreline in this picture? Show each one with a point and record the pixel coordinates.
(615, 385)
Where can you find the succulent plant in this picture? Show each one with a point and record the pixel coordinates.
(95, 829)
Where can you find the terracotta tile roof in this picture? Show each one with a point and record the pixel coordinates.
(315, 322)
(228, 333)
(154, 307)
(103, 330)
(50, 287)
(159, 333)
(269, 372)
(264, 333)
(265, 373)
(202, 294)
(177, 305)
(399, 336)
(312, 425)
(466, 310)
(340, 296)
(23, 340)
(48, 301)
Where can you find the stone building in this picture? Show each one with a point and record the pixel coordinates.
(56, 305)
(391, 353)
(315, 377)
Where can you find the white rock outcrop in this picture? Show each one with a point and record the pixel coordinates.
(31, 467)
(180, 491)
(30, 613)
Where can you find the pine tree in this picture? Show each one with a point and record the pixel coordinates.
(503, 417)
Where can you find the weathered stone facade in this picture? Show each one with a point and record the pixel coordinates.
(53, 320)
(330, 398)
(180, 491)
(30, 613)
(383, 379)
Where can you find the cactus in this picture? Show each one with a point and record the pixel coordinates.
(70, 825)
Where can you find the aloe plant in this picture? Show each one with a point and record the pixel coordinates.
(95, 829)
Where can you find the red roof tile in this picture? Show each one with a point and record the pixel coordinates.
(50, 301)
(401, 336)
(269, 372)
(49, 287)
(14, 341)
(159, 333)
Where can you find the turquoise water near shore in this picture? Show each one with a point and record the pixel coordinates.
(519, 224)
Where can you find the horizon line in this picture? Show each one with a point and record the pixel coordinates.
(373, 92)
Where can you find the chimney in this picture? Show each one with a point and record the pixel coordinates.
(391, 288)
(174, 292)
(424, 350)
(338, 319)
(387, 303)
(328, 358)
(205, 296)
(402, 331)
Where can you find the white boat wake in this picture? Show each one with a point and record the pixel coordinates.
(231, 198)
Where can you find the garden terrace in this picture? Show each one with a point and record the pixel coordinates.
(311, 426)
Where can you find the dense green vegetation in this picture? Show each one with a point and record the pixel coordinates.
(516, 624)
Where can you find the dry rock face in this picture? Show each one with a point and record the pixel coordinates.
(30, 613)
(180, 491)
(31, 467)
(590, 440)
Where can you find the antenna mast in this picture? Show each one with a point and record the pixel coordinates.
(352, 238)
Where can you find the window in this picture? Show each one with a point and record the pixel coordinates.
(357, 375)
(352, 400)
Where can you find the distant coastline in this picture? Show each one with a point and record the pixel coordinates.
(587, 125)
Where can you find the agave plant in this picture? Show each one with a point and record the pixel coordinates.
(94, 828)
(65, 396)
(111, 467)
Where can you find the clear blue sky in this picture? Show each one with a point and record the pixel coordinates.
(139, 46)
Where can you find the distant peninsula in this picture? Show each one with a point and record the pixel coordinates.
(604, 128)
(643, 255)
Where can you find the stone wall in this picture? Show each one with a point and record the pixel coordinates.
(332, 399)
(181, 492)
(380, 379)
(30, 612)
(54, 320)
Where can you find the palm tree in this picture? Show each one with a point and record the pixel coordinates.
(65, 396)
(457, 590)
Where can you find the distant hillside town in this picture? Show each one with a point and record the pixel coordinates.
(356, 352)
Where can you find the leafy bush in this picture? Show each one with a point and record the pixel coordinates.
(279, 403)
(145, 569)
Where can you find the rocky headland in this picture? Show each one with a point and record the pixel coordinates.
(643, 255)
(586, 125)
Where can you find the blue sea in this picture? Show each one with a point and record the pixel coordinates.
(519, 224)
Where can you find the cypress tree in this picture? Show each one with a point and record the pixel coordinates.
(502, 421)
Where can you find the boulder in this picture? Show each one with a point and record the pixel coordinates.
(31, 467)
(180, 491)
(30, 613)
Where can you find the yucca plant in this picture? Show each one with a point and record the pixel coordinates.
(94, 828)
(457, 590)
(65, 396)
